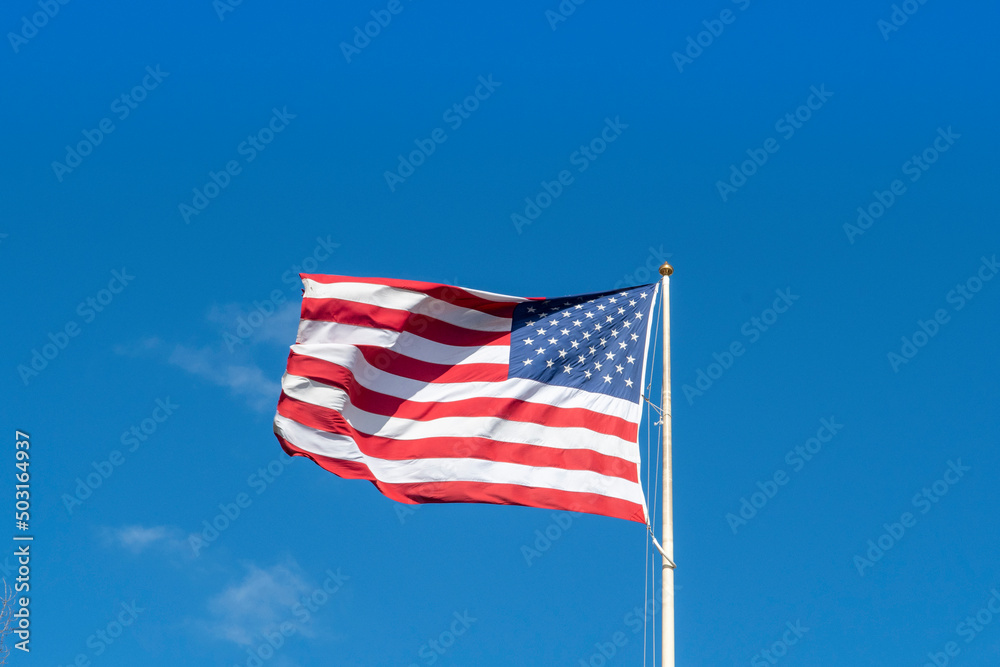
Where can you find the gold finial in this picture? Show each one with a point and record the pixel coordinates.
(666, 269)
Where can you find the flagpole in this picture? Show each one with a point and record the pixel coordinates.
(668, 483)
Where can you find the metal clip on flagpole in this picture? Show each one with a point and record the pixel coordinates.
(667, 548)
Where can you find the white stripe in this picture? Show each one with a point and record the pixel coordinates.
(491, 428)
(408, 300)
(418, 471)
(524, 389)
(322, 333)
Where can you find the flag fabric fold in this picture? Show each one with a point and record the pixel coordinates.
(437, 393)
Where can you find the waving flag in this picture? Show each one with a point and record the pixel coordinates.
(437, 393)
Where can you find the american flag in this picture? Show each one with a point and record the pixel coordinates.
(437, 393)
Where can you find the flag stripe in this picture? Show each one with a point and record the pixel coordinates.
(477, 492)
(333, 333)
(330, 361)
(487, 302)
(414, 302)
(455, 447)
(360, 314)
(487, 427)
(425, 470)
(335, 392)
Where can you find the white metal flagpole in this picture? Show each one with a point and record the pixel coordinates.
(668, 483)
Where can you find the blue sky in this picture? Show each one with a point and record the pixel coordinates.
(250, 145)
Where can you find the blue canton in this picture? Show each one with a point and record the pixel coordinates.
(593, 342)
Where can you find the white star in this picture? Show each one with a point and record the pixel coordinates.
(567, 368)
(635, 336)
(586, 334)
(631, 302)
(578, 306)
(562, 353)
(630, 359)
(638, 316)
(540, 331)
(593, 350)
(614, 332)
(621, 311)
(590, 314)
(565, 313)
(540, 350)
(600, 306)
(613, 300)
(619, 368)
(610, 355)
(553, 340)
(565, 332)
(549, 363)
(642, 295)
(626, 323)
(628, 383)
(604, 341)
(582, 359)
(531, 309)
(527, 362)
(597, 327)
(609, 319)
(622, 344)
(574, 344)
(577, 323)
(587, 373)
(528, 341)
(623, 294)
(607, 378)
(597, 365)
(554, 322)
(529, 323)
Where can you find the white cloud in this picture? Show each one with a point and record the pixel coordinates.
(243, 378)
(263, 599)
(139, 538)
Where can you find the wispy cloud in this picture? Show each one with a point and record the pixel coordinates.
(139, 538)
(261, 600)
(244, 379)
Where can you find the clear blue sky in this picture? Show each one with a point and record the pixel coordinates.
(287, 137)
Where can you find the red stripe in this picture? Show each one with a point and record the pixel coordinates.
(511, 409)
(328, 372)
(447, 293)
(376, 317)
(478, 492)
(332, 421)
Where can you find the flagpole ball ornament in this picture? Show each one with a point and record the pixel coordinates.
(666, 269)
